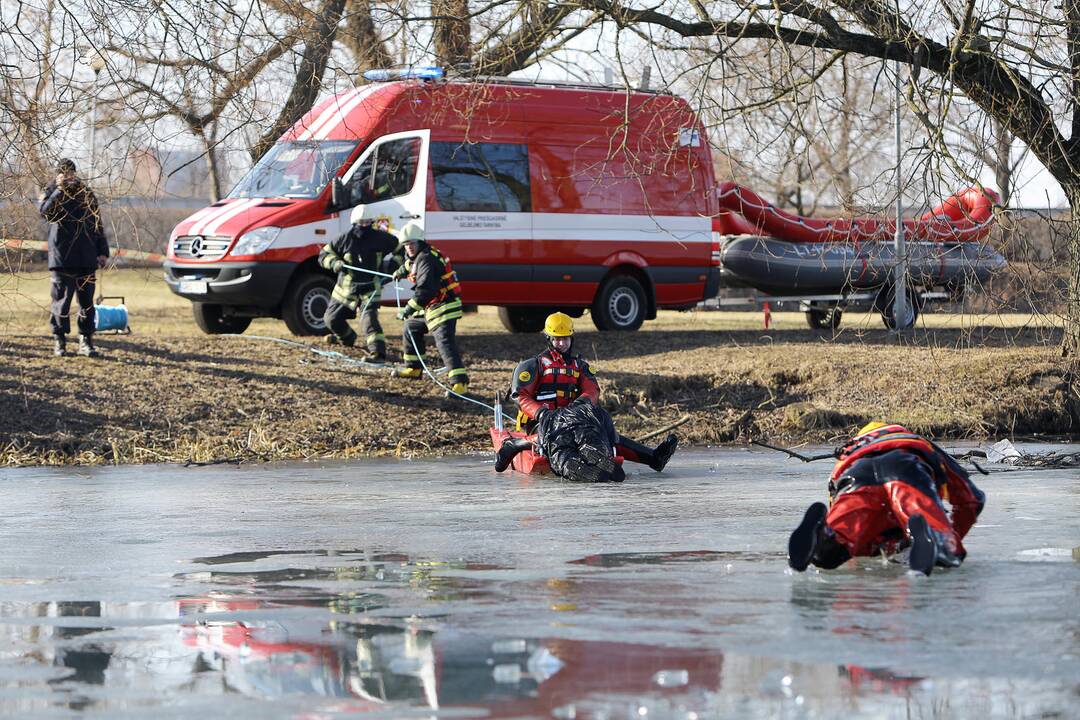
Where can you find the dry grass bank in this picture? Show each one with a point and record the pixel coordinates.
(169, 393)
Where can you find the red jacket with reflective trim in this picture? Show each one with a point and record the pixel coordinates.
(551, 381)
(953, 483)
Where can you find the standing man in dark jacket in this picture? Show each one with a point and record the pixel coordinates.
(435, 307)
(366, 247)
(77, 247)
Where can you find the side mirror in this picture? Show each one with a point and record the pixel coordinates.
(337, 195)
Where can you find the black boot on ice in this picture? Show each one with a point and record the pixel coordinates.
(509, 450)
(804, 539)
(924, 546)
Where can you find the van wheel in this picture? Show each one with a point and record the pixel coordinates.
(212, 321)
(620, 304)
(524, 319)
(824, 318)
(305, 304)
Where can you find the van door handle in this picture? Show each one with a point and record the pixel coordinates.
(408, 217)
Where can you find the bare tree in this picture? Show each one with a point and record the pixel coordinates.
(319, 35)
(1020, 63)
(452, 32)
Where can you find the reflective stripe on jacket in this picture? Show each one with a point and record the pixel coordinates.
(551, 381)
(436, 286)
(363, 247)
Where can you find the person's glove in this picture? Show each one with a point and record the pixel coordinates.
(336, 265)
(399, 273)
(405, 313)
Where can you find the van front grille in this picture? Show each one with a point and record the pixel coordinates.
(200, 247)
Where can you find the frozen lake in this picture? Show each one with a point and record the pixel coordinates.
(416, 589)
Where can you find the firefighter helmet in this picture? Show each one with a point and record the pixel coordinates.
(412, 232)
(870, 427)
(559, 325)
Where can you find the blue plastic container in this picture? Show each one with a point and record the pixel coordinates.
(111, 317)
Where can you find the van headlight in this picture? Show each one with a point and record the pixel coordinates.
(255, 241)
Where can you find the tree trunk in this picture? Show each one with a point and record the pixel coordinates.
(308, 82)
(1002, 161)
(844, 182)
(1071, 347)
(361, 38)
(212, 169)
(453, 32)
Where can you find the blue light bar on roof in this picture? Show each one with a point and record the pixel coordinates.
(426, 72)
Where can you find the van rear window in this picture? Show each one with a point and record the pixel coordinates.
(482, 177)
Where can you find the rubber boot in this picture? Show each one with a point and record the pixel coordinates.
(408, 373)
(509, 450)
(663, 452)
(458, 389)
(577, 470)
(924, 547)
(656, 458)
(804, 540)
(598, 457)
(374, 357)
(60, 346)
(376, 353)
(86, 347)
(346, 340)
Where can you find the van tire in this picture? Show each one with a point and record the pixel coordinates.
(523, 319)
(305, 304)
(620, 304)
(212, 321)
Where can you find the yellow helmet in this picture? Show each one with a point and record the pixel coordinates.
(559, 325)
(870, 427)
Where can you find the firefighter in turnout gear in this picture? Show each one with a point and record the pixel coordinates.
(554, 379)
(435, 307)
(363, 246)
(886, 492)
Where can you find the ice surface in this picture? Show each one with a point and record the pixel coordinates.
(398, 588)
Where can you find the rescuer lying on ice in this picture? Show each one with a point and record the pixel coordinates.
(365, 247)
(886, 494)
(554, 379)
(435, 307)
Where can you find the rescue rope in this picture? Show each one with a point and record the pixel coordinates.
(416, 349)
(332, 354)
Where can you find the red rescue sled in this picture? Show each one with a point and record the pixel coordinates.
(529, 462)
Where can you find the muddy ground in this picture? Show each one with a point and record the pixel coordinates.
(161, 397)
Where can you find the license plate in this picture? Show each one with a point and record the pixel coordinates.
(193, 287)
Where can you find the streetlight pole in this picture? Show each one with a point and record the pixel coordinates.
(96, 63)
(901, 314)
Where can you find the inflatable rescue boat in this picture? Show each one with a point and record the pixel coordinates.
(778, 252)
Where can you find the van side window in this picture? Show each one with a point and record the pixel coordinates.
(481, 177)
(389, 171)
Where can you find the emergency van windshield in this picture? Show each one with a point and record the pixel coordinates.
(299, 169)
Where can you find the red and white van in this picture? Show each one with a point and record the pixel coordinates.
(544, 197)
